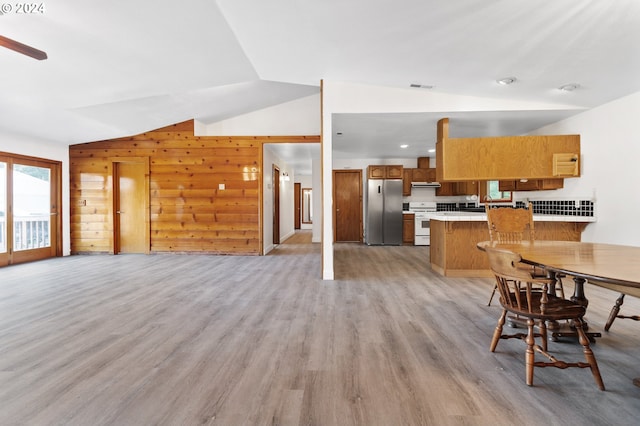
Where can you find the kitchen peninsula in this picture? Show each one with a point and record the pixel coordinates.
(454, 235)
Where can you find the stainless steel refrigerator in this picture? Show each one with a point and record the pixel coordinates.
(384, 212)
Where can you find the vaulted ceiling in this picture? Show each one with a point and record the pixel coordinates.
(119, 67)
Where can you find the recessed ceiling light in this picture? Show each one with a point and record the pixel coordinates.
(569, 87)
(432, 150)
(507, 81)
(404, 145)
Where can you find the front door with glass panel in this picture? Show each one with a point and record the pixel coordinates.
(4, 249)
(28, 209)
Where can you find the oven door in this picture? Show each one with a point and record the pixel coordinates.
(422, 230)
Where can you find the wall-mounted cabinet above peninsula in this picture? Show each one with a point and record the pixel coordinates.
(505, 158)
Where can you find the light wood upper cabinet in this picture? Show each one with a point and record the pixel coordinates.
(423, 162)
(419, 175)
(458, 188)
(385, 172)
(377, 172)
(505, 158)
(531, 185)
(407, 176)
(467, 188)
(446, 189)
(394, 172)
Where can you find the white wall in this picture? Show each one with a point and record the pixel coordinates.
(40, 148)
(286, 199)
(610, 148)
(316, 184)
(298, 117)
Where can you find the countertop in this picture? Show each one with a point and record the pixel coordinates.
(479, 217)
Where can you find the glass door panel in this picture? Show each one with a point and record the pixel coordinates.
(31, 207)
(3, 208)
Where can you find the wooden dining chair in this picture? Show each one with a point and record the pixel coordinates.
(518, 297)
(514, 225)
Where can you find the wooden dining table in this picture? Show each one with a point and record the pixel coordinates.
(594, 263)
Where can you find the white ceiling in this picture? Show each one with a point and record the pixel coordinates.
(119, 67)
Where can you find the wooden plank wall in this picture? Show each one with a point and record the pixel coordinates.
(188, 213)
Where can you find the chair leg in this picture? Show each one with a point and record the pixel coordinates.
(543, 334)
(588, 353)
(530, 355)
(495, 287)
(614, 312)
(498, 331)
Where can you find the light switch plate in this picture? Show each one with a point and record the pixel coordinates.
(221, 186)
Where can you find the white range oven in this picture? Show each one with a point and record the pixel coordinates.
(423, 211)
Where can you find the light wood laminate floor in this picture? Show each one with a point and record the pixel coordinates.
(238, 340)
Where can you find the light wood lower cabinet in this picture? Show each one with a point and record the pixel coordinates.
(453, 251)
(408, 229)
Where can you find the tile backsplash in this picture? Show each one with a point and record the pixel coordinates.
(562, 207)
(571, 207)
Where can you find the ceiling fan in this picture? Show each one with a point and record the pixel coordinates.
(22, 48)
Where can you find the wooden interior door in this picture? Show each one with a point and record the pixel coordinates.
(297, 211)
(347, 202)
(131, 207)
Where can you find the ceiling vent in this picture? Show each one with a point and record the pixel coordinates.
(420, 86)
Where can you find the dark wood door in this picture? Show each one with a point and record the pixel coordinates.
(297, 212)
(347, 202)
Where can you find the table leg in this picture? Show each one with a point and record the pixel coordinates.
(579, 298)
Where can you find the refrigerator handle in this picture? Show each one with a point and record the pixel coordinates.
(379, 186)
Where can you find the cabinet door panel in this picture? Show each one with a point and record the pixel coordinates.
(394, 172)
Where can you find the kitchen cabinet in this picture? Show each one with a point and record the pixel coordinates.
(457, 188)
(454, 252)
(467, 188)
(531, 185)
(408, 228)
(385, 172)
(419, 175)
(446, 189)
(519, 157)
(394, 172)
(416, 175)
(407, 177)
(423, 162)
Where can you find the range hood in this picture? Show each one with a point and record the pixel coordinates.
(425, 184)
